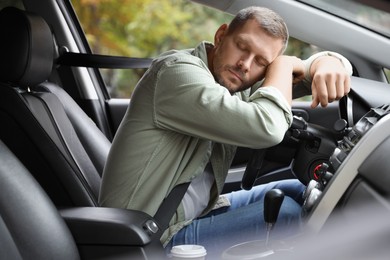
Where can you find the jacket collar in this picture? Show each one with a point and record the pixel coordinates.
(200, 51)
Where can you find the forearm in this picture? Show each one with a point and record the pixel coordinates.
(280, 74)
(280, 77)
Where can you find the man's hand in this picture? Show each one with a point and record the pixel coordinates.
(330, 80)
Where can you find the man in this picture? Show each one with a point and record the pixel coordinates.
(191, 110)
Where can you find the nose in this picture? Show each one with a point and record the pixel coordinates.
(245, 63)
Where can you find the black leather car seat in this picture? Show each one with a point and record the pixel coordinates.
(41, 124)
(30, 225)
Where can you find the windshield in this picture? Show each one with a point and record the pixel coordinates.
(372, 14)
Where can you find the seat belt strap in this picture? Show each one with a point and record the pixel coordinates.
(169, 206)
(102, 61)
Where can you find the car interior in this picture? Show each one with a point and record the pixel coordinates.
(47, 117)
(56, 130)
(55, 140)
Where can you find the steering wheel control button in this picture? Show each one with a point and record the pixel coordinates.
(340, 125)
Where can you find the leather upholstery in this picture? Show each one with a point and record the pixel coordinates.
(26, 47)
(53, 137)
(30, 225)
(94, 142)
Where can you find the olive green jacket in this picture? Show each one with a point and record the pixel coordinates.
(178, 120)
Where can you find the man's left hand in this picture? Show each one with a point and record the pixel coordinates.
(330, 80)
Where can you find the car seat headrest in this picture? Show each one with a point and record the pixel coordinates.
(26, 47)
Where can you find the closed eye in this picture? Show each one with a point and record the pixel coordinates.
(261, 62)
(242, 46)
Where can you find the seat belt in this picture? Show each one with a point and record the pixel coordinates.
(102, 61)
(169, 206)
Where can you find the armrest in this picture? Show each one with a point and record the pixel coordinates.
(109, 226)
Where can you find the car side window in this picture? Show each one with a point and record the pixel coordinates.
(122, 30)
(14, 3)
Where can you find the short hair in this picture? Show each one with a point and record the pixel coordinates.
(270, 21)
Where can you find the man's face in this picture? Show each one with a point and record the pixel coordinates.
(240, 59)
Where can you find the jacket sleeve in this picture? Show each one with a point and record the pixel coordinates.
(188, 100)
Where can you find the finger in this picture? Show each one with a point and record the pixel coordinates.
(340, 87)
(322, 90)
(315, 100)
(331, 88)
(343, 85)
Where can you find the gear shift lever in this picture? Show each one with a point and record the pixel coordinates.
(272, 202)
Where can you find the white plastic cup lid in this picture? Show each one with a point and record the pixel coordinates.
(188, 251)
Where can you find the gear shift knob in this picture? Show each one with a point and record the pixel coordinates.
(272, 202)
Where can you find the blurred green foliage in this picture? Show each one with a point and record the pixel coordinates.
(387, 72)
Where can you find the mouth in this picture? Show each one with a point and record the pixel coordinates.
(235, 74)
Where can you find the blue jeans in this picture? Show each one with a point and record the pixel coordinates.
(243, 221)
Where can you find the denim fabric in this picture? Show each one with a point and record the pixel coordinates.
(243, 220)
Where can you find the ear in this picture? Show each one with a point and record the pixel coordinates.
(219, 34)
